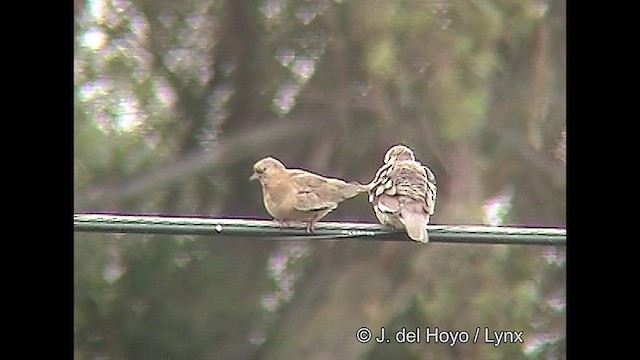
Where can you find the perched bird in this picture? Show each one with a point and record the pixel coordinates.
(298, 195)
(403, 193)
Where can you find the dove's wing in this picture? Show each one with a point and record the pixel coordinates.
(314, 192)
(403, 179)
(430, 199)
(415, 181)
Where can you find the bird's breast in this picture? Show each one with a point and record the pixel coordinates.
(279, 199)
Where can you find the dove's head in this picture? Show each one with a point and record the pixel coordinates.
(398, 153)
(265, 168)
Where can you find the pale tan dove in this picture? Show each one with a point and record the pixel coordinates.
(299, 195)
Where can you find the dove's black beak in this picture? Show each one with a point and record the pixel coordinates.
(253, 177)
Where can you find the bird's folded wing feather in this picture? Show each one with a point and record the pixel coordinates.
(406, 180)
(430, 200)
(313, 192)
(388, 204)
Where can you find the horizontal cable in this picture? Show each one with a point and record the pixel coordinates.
(107, 223)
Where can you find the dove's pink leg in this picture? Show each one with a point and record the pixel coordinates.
(310, 226)
(281, 223)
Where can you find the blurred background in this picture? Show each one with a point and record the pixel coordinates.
(174, 102)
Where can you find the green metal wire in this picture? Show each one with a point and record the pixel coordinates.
(323, 231)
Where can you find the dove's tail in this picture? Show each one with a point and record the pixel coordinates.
(359, 188)
(415, 221)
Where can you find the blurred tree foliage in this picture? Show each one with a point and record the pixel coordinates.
(174, 101)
